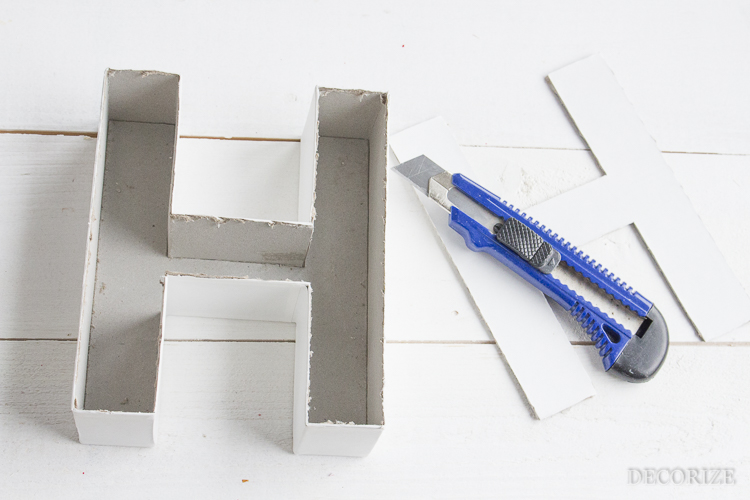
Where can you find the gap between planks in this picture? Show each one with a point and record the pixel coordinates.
(435, 342)
(544, 148)
(277, 139)
(49, 132)
(572, 342)
(94, 134)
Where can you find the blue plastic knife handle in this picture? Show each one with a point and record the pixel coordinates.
(609, 336)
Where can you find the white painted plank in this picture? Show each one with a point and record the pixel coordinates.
(426, 299)
(457, 428)
(462, 431)
(718, 188)
(516, 313)
(640, 187)
(425, 295)
(526, 177)
(247, 68)
(715, 184)
(45, 185)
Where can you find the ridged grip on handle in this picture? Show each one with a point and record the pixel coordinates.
(480, 239)
(528, 245)
(569, 254)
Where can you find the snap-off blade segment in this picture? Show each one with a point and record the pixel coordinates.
(419, 171)
(635, 352)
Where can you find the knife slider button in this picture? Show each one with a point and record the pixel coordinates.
(528, 245)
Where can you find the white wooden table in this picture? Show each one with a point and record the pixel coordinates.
(457, 425)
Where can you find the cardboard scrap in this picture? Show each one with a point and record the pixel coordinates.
(525, 328)
(640, 188)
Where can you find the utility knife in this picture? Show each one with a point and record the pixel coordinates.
(626, 328)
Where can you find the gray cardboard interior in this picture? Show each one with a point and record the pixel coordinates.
(347, 304)
(345, 263)
(269, 238)
(132, 256)
(123, 346)
(143, 96)
(378, 138)
(338, 366)
(238, 240)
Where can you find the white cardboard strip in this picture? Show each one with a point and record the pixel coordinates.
(640, 187)
(517, 314)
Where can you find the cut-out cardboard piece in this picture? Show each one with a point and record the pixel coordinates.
(119, 347)
(639, 187)
(518, 316)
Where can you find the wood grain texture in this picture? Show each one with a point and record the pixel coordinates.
(714, 184)
(45, 216)
(640, 188)
(457, 428)
(247, 69)
(45, 186)
(516, 314)
(456, 424)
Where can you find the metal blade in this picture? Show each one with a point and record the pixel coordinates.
(419, 171)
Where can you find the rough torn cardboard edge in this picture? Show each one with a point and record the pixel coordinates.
(529, 342)
(375, 132)
(378, 184)
(227, 236)
(107, 426)
(239, 241)
(602, 114)
(339, 438)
